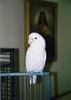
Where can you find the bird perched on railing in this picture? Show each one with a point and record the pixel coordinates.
(35, 55)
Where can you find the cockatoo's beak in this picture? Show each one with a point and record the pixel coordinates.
(30, 41)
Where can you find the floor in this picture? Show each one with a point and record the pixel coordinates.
(67, 97)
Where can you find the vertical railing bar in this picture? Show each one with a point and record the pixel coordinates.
(41, 90)
(44, 87)
(0, 79)
(38, 92)
(26, 87)
(30, 88)
(20, 86)
(34, 95)
(48, 86)
(30, 78)
(35, 91)
(46, 90)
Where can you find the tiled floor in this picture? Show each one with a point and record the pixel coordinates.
(67, 97)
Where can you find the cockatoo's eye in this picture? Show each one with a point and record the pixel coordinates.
(35, 37)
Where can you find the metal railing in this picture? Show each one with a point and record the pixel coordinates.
(38, 91)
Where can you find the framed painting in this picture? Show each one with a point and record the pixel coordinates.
(41, 17)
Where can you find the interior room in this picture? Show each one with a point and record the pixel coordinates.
(13, 36)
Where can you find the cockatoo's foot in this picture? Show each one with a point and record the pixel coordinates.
(32, 79)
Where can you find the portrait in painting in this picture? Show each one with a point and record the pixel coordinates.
(43, 21)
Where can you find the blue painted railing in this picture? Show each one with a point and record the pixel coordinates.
(47, 74)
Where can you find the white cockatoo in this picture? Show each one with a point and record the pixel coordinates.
(35, 55)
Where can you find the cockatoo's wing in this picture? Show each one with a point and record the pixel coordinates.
(35, 61)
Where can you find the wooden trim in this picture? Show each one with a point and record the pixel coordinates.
(26, 22)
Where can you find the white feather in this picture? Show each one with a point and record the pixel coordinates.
(35, 55)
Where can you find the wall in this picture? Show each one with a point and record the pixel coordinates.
(62, 65)
(11, 26)
(65, 31)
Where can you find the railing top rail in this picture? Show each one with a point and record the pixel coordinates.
(24, 73)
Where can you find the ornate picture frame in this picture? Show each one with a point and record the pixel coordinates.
(33, 9)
